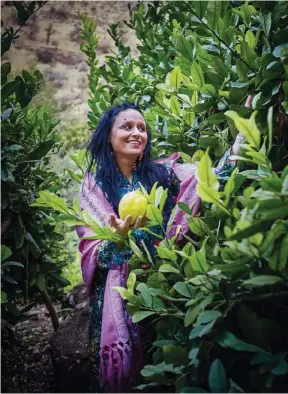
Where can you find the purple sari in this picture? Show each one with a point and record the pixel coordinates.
(116, 346)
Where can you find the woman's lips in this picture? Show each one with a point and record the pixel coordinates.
(136, 144)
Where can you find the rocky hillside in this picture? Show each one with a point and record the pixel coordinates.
(50, 42)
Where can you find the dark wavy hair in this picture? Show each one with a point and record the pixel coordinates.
(99, 153)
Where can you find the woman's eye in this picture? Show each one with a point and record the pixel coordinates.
(126, 127)
(142, 128)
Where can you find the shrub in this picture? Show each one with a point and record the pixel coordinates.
(218, 302)
(30, 262)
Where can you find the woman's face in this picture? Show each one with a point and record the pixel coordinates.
(129, 134)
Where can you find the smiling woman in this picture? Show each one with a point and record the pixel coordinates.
(121, 150)
(128, 140)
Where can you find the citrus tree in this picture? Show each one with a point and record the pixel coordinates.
(30, 262)
(217, 301)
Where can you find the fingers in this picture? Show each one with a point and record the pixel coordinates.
(138, 222)
(126, 221)
(113, 220)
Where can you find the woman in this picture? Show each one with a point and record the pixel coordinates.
(121, 150)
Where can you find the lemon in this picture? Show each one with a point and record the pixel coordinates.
(133, 204)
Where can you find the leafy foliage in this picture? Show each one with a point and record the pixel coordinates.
(30, 263)
(215, 299)
(197, 60)
(211, 300)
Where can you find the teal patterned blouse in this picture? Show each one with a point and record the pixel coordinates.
(109, 254)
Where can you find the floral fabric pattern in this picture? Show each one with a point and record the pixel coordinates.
(110, 256)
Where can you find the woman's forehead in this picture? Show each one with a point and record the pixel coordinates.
(128, 115)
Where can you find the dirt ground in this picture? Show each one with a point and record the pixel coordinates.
(25, 355)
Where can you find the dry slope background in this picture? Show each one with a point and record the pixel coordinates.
(50, 42)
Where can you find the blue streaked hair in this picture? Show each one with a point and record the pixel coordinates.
(99, 153)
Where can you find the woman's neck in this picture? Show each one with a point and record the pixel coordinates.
(125, 165)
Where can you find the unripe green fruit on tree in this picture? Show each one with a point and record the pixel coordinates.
(133, 204)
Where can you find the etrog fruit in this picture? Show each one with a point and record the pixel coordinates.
(133, 204)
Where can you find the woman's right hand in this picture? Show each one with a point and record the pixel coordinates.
(122, 226)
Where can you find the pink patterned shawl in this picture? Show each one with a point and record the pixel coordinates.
(116, 350)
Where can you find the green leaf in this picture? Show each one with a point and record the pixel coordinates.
(185, 47)
(185, 157)
(207, 316)
(165, 253)
(198, 226)
(283, 255)
(5, 252)
(164, 87)
(163, 199)
(50, 200)
(148, 255)
(217, 379)
(4, 297)
(176, 77)
(259, 226)
(197, 75)
(141, 315)
(209, 90)
(199, 263)
(41, 151)
(216, 119)
(135, 249)
(230, 185)
(247, 127)
(182, 289)
(5, 71)
(200, 8)
(250, 39)
(158, 305)
(152, 194)
(131, 282)
(205, 174)
(192, 314)
(147, 297)
(8, 279)
(158, 195)
(175, 355)
(242, 70)
(164, 342)
(123, 292)
(175, 106)
(270, 128)
(248, 54)
(184, 207)
(263, 280)
(154, 214)
(7, 263)
(229, 340)
(266, 22)
(281, 50)
(214, 13)
(167, 268)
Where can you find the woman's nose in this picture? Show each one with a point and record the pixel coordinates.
(135, 131)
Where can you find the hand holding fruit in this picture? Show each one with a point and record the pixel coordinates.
(132, 210)
(122, 226)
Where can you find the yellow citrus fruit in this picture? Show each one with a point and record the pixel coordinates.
(133, 204)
